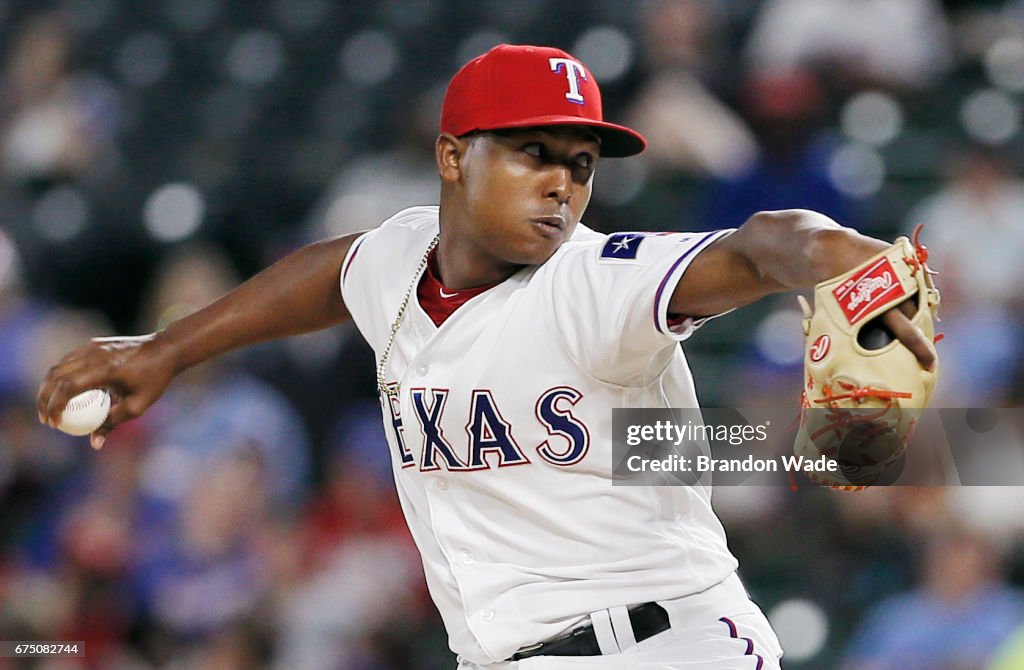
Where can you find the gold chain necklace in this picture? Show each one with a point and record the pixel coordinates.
(382, 385)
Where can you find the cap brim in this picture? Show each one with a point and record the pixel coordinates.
(616, 141)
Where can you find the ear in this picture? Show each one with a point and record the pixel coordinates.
(449, 151)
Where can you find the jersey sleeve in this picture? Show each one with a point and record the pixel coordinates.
(618, 326)
(378, 268)
(356, 285)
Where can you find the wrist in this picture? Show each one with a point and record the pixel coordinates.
(166, 346)
(832, 252)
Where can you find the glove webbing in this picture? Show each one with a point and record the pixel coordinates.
(854, 392)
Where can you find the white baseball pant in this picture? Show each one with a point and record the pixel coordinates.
(717, 629)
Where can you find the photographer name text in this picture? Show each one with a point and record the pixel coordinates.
(702, 464)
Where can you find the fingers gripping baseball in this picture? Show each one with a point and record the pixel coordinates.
(131, 369)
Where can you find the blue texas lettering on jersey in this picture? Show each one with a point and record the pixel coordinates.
(488, 432)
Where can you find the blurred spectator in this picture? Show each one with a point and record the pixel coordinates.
(376, 185)
(35, 462)
(791, 170)
(20, 316)
(887, 43)
(56, 125)
(960, 613)
(215, 411)
(226, 453)
(362, 590)
(688, 127)
(201, 572)
(973, 231)
(96, 537)
(238, 646)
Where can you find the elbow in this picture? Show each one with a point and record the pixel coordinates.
(793, 248)
(799, 233)
(791, 220)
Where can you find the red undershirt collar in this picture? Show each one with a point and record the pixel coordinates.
(439, 301)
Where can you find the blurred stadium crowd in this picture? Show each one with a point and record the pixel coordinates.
(153, 154)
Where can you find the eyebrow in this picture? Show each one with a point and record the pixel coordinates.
(583, 132)
(508, 133)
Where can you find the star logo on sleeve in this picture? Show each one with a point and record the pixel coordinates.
(622, 246)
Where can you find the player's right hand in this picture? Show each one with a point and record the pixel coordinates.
(134, 370)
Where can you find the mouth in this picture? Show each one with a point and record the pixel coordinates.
(551, 226)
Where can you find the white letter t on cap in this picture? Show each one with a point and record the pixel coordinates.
(573, 71)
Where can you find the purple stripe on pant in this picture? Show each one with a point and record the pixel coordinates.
(733, 633)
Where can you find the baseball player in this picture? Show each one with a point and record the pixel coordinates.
(505, 332)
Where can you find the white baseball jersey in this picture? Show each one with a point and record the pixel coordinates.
(501, 436)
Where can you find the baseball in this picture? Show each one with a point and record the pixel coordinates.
(85, 412)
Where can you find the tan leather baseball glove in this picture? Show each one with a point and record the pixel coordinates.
(864, 391)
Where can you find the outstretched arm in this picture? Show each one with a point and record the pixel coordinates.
(298, 294)
(780, 251)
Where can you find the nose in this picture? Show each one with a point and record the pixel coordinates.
(558, 184)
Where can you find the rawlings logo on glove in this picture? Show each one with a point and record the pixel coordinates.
(857, 294)
(861, 402)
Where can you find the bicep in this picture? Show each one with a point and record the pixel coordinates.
(721, 277)
(314, 279)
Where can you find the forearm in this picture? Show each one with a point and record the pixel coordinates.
(298, 294)
(770, 253)
(794, 249)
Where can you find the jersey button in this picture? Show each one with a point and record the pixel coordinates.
(423, 370)
(467, 558)
(441, 483)
(487, 615)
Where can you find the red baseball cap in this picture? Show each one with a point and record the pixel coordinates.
(516, 86)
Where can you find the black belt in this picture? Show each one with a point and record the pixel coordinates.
(647, 620)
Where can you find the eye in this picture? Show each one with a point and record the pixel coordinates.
(585, 161)
(534, 149)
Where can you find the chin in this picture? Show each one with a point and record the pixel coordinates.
(536, 253)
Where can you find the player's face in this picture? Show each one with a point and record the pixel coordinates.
(524, 191)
